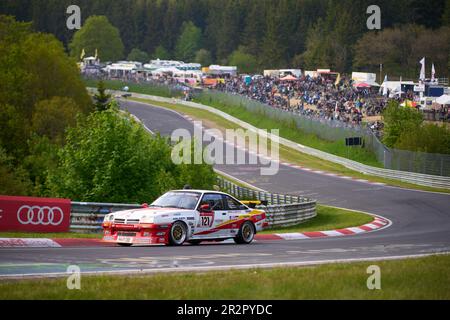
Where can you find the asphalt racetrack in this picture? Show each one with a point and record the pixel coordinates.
(420, 225)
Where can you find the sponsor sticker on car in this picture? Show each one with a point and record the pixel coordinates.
(125, 239)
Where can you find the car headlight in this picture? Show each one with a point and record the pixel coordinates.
(109, 217)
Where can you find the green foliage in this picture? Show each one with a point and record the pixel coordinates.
(51, 117)
(245, 62)
(203, 57)
(98, 34)
(188, 42)
(399, 49)
(404, 129)
(42, 156)
(40, 94)
(14, 180)
(430, 138)
(101, 98)
(325, 31)
(161, 53)
(109, 157)
(398, 120)
(138, 55)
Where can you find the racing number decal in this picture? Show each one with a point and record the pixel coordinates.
(206, 220)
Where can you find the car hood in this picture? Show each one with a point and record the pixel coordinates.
(139, 213)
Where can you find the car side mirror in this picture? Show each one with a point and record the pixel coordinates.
(205, 208)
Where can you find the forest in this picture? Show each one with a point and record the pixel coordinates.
(303, 34)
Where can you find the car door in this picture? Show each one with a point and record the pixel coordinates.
(207, 221)
(234, 209)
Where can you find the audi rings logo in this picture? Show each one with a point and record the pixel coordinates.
(36, 215)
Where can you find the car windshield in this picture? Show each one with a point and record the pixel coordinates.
(182, 200)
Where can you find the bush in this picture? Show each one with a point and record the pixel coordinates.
(109, 157)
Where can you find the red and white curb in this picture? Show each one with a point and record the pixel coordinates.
(266, 158)
(377, 224)
(28, 243)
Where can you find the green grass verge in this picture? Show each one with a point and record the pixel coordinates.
(399, 280)
(289, 130)
(161, 91)
(67, 235)
(286, 154)
(328, 218)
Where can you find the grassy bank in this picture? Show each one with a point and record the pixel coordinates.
(155, 90)
(287, 154)
(399, 280)
(288, 130)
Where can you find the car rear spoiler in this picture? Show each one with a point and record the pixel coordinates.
(253, 203)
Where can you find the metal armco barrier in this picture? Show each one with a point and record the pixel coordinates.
(286, 215)
(243, 193)
(282, 210)
(404, 176)
(88, 216)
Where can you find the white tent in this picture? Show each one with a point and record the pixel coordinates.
(394, 87)
(445, 99)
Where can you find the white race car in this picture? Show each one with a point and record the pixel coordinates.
(182, 216)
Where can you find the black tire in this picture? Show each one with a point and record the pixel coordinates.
(195, 242)
(246, 233)
(125, 244)
(178, 233)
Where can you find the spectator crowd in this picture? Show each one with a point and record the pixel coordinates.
(312, 97)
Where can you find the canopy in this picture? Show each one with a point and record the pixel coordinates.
(289, 78)
(445, 99)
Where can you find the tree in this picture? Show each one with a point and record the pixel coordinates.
(431, 138)
(138, 55)
(399, 49)
(14, 180)
(245, 62)
(161, 53)
(397, 121)
(109, 157)
(52, 117)
(35, 68)
(188, 42)
(98, 34)
(273, 51)
(101, 98)
(203, 57)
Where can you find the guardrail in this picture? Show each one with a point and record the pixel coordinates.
(88, 216)
(404, 176)
(282, 210)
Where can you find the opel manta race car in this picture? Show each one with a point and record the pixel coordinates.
(182, 216)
